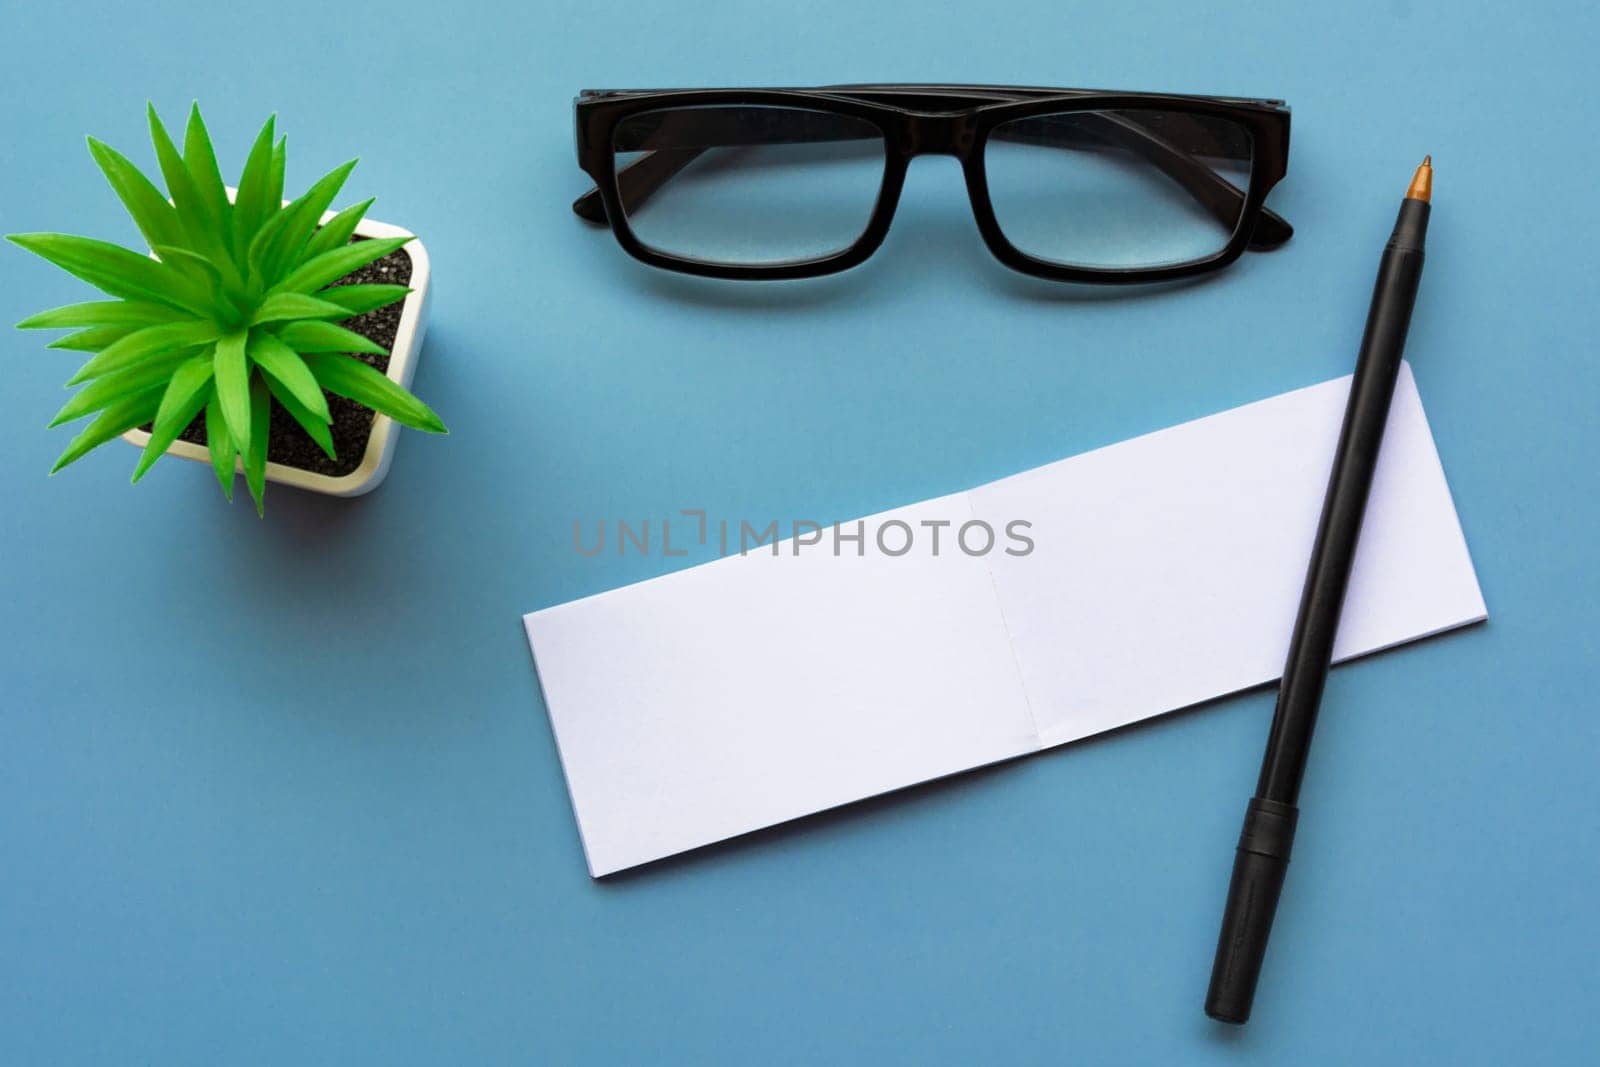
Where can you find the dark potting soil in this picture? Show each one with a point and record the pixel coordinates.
(287, 443)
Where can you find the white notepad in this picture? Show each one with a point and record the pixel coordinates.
(1166, 570)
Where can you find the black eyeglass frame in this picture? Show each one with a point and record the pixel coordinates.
(952, 120)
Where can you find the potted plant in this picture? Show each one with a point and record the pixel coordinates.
(273, 338)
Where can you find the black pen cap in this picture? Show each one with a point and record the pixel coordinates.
(1259, 865)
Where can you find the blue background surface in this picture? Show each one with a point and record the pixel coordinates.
(283, 791)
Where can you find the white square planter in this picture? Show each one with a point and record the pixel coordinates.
(375, 461)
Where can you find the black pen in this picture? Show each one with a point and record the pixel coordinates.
(1263, 853)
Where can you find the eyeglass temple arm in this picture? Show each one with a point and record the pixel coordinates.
(637, 181)
(1216, 194)
(640, 179)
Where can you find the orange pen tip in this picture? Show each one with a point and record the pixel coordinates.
(1422, 181)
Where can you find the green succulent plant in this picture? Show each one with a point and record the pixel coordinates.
(237, 306)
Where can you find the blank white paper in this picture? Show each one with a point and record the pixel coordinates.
(754, 689)
(1166, 571)
(1168, 568)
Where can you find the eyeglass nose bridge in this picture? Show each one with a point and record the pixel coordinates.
(941, 134)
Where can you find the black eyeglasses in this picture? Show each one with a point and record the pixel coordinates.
(1070, 184)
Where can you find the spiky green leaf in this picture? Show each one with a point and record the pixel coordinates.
(259, 255)
(337, 231)
(115, 270)
(255, 458)
(273, 219)
(94, 339)
(201, 161)
(193, 262)
(116, 420)
(352, 378)
(113, 387)
(156, 218)
(311, 336)
(101, 313)
(186, 199)
(219, 442)
(360, 299)
(218, 279)
(186, 394)
(233, 388)
(280, 153)
(315, 427)
(203, 232)
(281, 307)
(250, 204)
(334, 264)
(285, 365)
(144, 344)
(302, 214)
